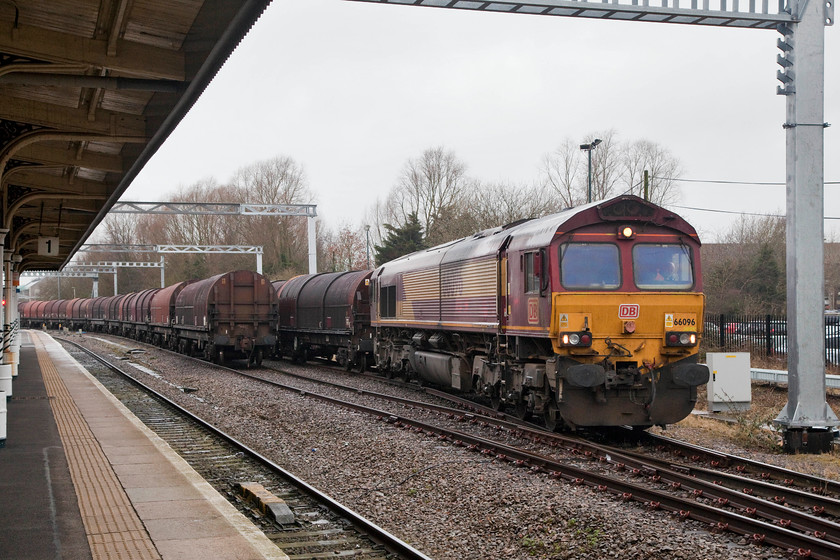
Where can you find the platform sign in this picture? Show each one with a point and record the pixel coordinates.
(48, 246)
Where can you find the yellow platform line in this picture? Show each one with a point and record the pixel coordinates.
(114, 531)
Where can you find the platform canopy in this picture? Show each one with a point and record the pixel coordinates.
(89, 90)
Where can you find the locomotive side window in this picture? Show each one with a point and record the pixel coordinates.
(589, 266)
(662, 267)
(388, 301)
(532, 272)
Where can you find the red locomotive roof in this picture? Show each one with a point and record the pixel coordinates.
(539, 232)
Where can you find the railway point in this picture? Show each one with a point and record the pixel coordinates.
(83, 478)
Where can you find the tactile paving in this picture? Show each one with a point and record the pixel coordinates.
(113, 528)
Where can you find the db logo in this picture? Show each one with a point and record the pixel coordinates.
(533, 311)
(628, 311)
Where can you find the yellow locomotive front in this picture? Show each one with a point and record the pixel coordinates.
(626, 315)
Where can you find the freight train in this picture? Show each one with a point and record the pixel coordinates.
(228, 316)
(591, 317)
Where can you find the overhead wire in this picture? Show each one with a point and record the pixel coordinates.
(721, 182)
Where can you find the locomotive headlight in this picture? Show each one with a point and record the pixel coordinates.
(574, 339)
(685, 338)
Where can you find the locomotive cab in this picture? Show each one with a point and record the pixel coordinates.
(623, 298)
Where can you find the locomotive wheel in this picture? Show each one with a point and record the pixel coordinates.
(522, 411)
(496, 403)
(258, 357)
(553, 420)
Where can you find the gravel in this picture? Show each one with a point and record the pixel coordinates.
(446, 501)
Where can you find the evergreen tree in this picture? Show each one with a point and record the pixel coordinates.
(400, 241)
(766, 282)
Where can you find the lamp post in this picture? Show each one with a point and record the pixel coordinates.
(588, 148)
(367, 245)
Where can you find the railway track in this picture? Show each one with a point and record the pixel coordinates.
(320, 527)
(766, 513)
(807, 529)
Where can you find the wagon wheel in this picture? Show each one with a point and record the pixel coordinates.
(363, 363)
(347, 361)
(258, 357)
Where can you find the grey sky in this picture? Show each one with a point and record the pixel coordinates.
(352, 90)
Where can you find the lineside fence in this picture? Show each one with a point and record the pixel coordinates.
(763, 335)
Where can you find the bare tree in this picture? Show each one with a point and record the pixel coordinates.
(606, 165)
(663, 169)
(280, 180)
(561, 171)
(343, 249)
(617, 168)
(565, 171)
(745, 273)
(498, 204)
(430, 186)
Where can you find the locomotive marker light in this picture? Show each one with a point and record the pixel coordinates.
(626, 232)
(577, 339)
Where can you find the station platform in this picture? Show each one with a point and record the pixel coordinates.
(82, 478)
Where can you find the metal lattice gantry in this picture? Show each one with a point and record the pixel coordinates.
(760, 14)
(71, 272)
(177, 249)
(807, 420)
(221, 208)
(114, 265)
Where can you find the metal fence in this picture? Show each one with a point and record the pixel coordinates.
(763, 335)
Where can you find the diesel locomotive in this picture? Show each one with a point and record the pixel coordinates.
(590, 317)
